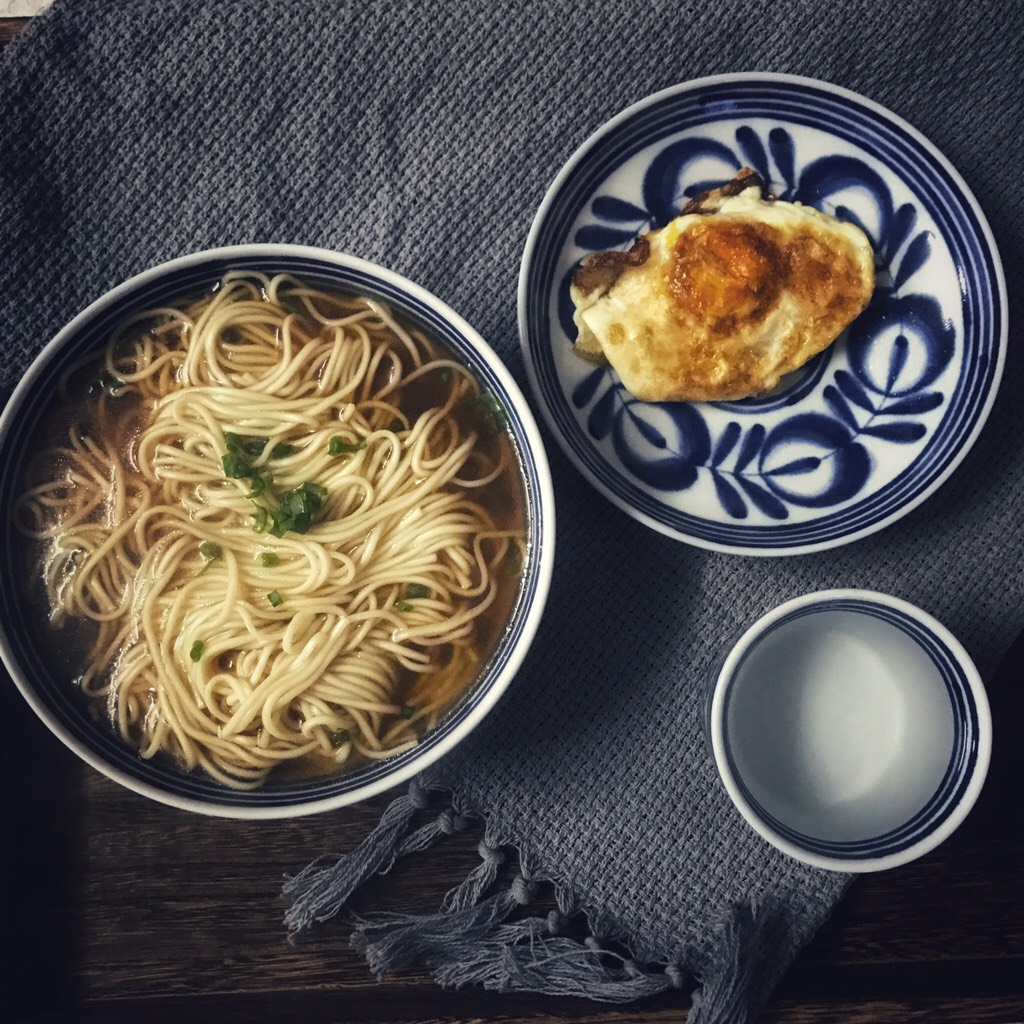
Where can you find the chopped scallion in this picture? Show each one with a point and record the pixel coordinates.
(403, 606)
(396, 425)
(270, 560)
(341, 737)
(209, 550)
(494, 409)
(258, 483)
(196, 653)
(339, 446)
(415, 591)
(239, 451)
(262, 523)
(407, 712)
(298, 508)
(281, 451)
(236, 465)
(274, 598)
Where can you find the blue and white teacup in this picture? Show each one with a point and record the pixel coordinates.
(850, 728)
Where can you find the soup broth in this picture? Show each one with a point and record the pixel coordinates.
(278, 530)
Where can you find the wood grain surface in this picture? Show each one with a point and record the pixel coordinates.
(119, 909)
(10, 27)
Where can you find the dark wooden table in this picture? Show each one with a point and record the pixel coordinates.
(119, 909)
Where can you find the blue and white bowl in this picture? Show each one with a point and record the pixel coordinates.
(55, 700)
(850, 729)
(863, 433)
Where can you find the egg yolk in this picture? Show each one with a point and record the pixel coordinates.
(726, 273)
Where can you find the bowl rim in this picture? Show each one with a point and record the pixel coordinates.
(613, 124)
(528, 613)
(724, 673)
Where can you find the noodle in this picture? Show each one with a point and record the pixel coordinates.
(284, 518)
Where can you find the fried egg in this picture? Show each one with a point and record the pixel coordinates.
(736, 291)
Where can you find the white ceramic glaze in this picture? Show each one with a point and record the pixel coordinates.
(865, 431)
(851, 729)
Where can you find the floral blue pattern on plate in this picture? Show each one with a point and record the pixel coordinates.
(866, 430)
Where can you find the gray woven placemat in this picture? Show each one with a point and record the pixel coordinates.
(423, 136)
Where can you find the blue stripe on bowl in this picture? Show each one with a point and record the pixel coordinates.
(63, 702)
(935, 188)
(959, 770)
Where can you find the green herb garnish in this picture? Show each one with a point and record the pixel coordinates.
(263, 519)
(209, 550)
(197, 650)
(407, 712)
(403, 606)
(236, 465)
(396, 426)
(341, 737)
(339, 446)
(253, 447)
(494, 409)
(415, 591)
(298, 509)
(258, 483)
(269, 559)
(274, 598)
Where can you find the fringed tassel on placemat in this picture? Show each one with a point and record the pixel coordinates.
(471, 941)
(319, 891)
(747, 940)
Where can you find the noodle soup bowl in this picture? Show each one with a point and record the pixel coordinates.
(52, 681)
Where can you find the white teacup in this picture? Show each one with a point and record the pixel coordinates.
(851, 729)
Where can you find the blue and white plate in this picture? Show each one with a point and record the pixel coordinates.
(866, 430)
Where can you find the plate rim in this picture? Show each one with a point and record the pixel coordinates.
(986, 242)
